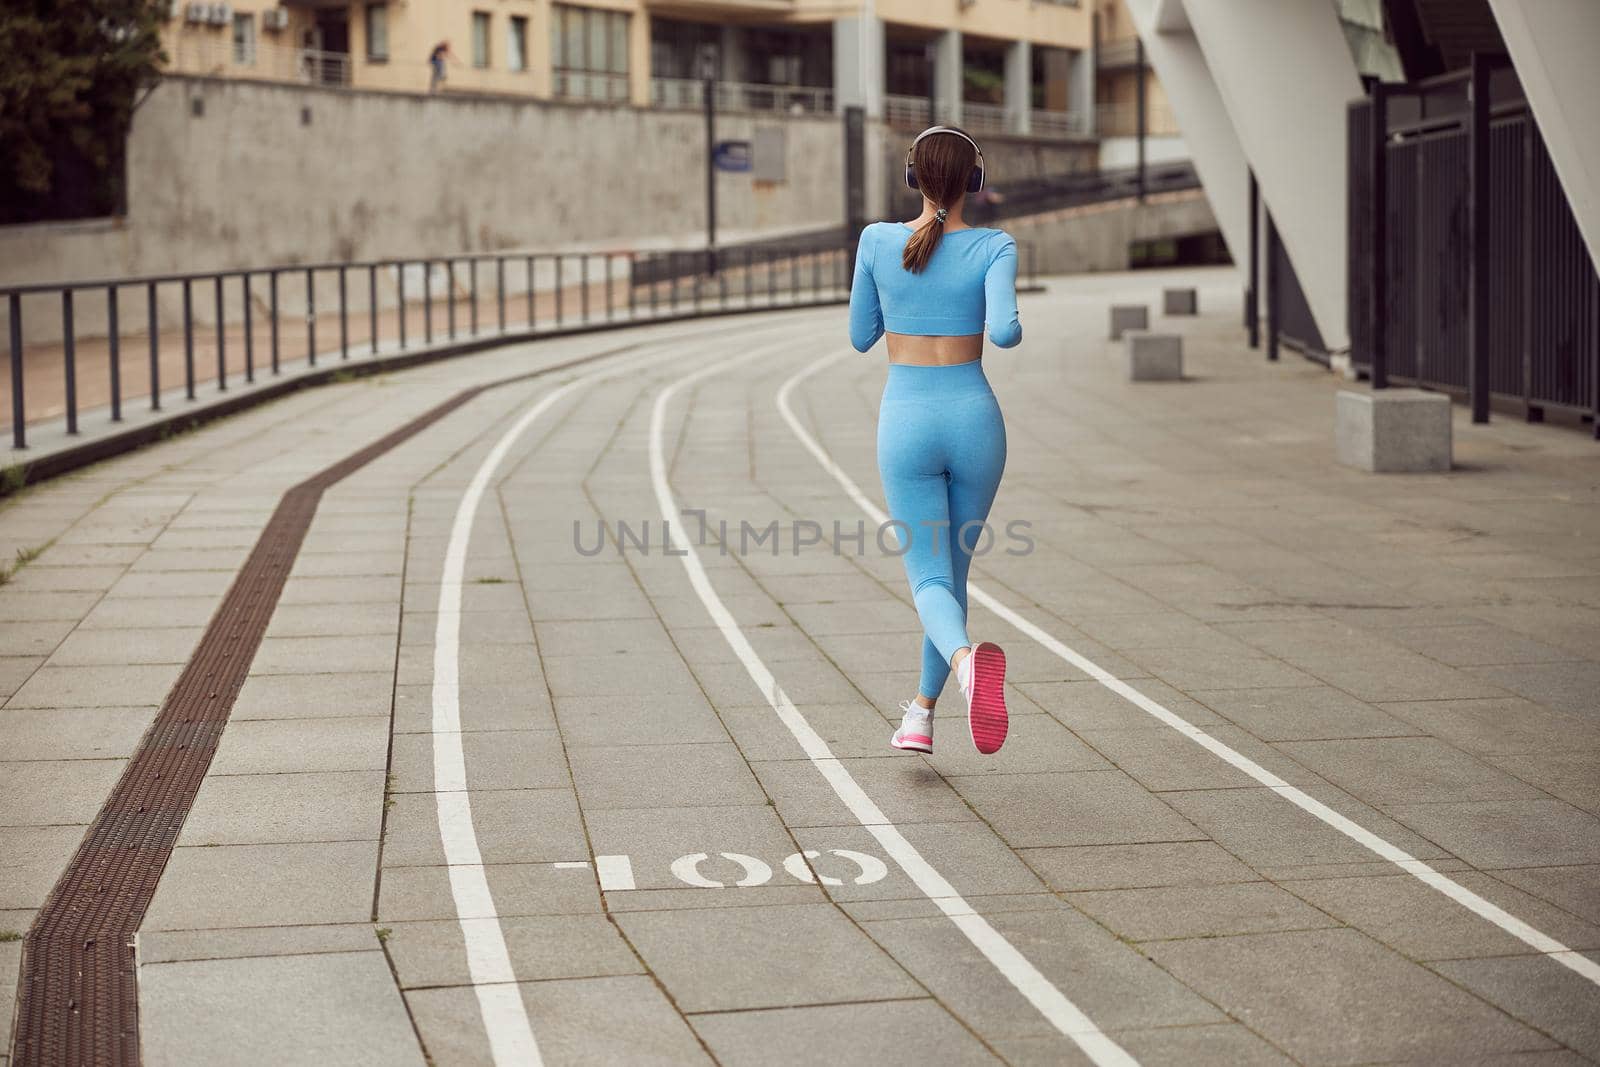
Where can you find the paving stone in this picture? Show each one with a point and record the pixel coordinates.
(55, 792)
(10, 964)
(369, 590)
(1079, 808)
(1507, 833)
(32, 639)
(172, 946)
(482, 707)
(1267, 831)
(639, 720)
(1134, 866)
(1538, 991)
(968, 854)
(1219, 1044)
(414, 893)
(245, 809)
(311, 696)
(513, 826)
(1108, 980)
(434, 953)
(512, 759)
(287, 746)
(1568, 687)
(373, 653)
(654, 837)
(40, 578)
(1198, 911)
(910, 1031)
(1397, 770)
(651, 776)
(1575, 888)
(1301, 989)
(36, 856)
(115, 647)
(905, 790)
(1499, 726)
(233, 886)
(72, 733)
(170, 584)
(15, 672)
(1477, 646)
(1302, 713)
(1090, 705)
(483, 664)
(1161, 759)
(723, 959)
(1421, 923)
(576, 1021)
(96, 687)
(1034, 743)
(316, 1009)
(146, 613)
(477, 628)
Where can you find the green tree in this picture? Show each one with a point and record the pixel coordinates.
(70, 80)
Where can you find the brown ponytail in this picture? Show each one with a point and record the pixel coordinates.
(943, 166)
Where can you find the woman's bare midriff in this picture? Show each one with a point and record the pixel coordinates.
(925, 351)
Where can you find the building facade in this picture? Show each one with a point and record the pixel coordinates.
(1017, 66)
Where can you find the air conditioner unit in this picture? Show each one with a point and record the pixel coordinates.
(197, 13)
(221, 14)
(276, 18)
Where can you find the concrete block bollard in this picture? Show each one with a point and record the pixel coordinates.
(1180, 302)
(1125, 317)
(1392, 430)
(1154, 357)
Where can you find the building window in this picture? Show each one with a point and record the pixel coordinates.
(480, 39)
(517, 43)
(244, 39)
(377, 16)
(589, 52)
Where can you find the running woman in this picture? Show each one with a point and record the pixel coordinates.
(930, 286)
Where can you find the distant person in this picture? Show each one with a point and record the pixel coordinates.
(931, 286)
(436, 64)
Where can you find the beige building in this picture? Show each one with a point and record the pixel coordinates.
(1021, 66)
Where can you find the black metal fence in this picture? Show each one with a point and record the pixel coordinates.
(1467, 270)
(101, 344)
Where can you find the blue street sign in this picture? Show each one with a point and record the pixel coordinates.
(731, 155)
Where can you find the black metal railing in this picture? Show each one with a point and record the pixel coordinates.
(1467, 270)
(220, 328)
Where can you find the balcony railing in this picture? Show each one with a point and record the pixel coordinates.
(743, 96)
(217, 54)
(912, 111)
(606, 87)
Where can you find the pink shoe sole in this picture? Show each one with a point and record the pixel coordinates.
(986, 714)
(912, 743)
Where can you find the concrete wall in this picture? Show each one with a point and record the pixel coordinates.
(382, 174)
(1096, 237)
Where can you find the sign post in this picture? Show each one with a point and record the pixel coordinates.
(708, 74)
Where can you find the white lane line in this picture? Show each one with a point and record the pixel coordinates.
(505, 1018)
(616, 872)
(1064, 1015)
(1457, 892)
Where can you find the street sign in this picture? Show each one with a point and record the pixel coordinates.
(731, 155)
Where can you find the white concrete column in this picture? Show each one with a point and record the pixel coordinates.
(1080, 88)
(1019, 87)
(1284, 73)
(1218, 157)
(948, 77)
(858, 58)
(1552, 45)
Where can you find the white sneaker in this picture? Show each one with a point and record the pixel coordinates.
(916, 728)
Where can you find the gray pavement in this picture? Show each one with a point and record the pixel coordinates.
(1419, 654)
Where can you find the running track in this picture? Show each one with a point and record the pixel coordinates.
(490, 796)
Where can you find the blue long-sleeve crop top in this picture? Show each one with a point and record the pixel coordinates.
(970, 281)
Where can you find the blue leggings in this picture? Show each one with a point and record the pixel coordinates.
(941, 451)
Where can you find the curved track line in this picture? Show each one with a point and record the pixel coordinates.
(505, 1017)
(1064, 1015)
(1537, 939)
